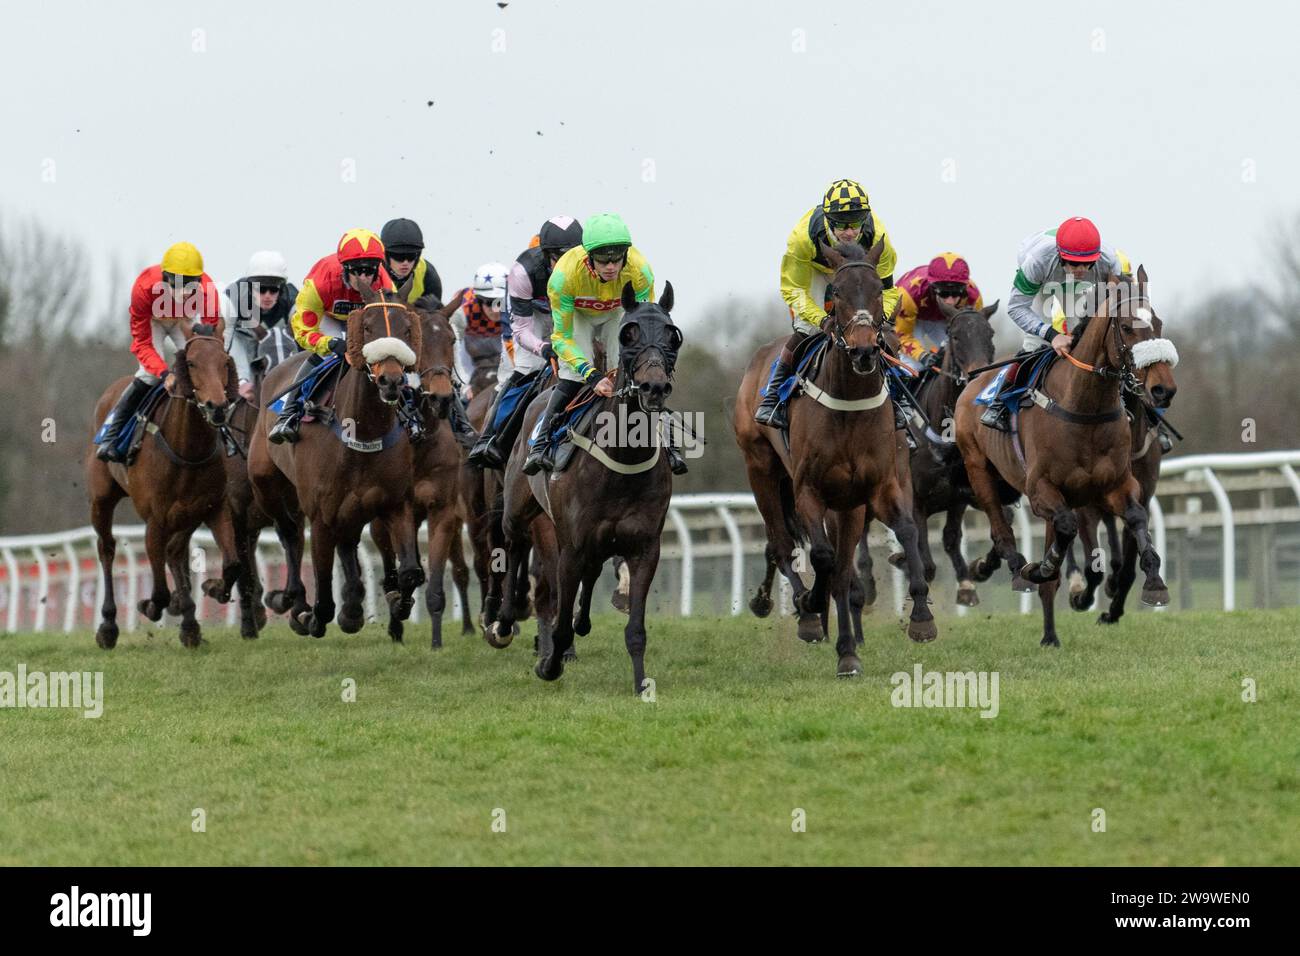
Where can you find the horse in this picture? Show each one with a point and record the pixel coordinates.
(345, 475)
(176, 483)
(437, 463)
(1156, 391)
(611, 500)
(939, 483)
(1071, 450)
(845, 464)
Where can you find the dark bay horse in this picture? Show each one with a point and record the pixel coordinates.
(1073, 451)
(612, 500)
(1155, 360)
(342, 481)
(176, 483)
(845, 464)
(435, 490)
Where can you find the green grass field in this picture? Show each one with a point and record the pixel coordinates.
(1145, 721)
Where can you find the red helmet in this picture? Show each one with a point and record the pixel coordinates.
(948, 267)
(1077, 240)
(360, 244)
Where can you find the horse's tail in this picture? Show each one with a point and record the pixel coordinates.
(793, 526)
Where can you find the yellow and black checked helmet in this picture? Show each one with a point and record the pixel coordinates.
(845, 197)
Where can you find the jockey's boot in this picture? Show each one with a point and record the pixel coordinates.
(461, 429)
(408, 412)
(286, 426)
(997, 416)
(485, 453)
(771, 410)
(542, 454)
(122, 411)
(675, 460)
(900, 424)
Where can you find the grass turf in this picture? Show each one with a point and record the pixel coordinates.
(1144, 720)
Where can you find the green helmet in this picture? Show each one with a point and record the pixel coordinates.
(605, 229)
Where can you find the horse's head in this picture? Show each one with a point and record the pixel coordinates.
(205, 375)
(648, 344)
(438, 356)
(384, 338)
(1154, 357)
(857, 313)
(970, 337)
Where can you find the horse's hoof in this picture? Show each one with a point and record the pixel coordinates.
(869, 593)
(810, 629)
(570, 655)
(1021, 585)
(1034, 574)
(1050, 640)
(174, 605)
(248, 630)
(106, 636)
(582, 626)
(981, 570)
(435, 643)
(191, 637)
(622, 602)
(297, 624)
(966, 596)
(350, 625)
(549, 673)
(395, 630)
(898, 559)
(1112, 585)
(1105, 617)
(1081, 601)
(278, 601)
(215, 588)
(259, 616)
(497, 636)
(1077, 584)
(409, 579)
(1155, 597)
(761, 604)
(849, 666)
(922, 632)
(315, 624)
(150, 610)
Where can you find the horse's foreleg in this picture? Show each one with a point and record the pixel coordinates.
(293, 599)
(1116, 549)
(405, 528)
(1083, 587)
(848, 530)
(891, 508)
(1048, 503)
(811, 604)
(352, 615)
(443, 528)
(1125, 503)
(865, 566)
(1123, 581)
(323, 544)
(641, 573)
(460, 578)
(550, 664)
(952, 535)
(155, 543)
(1047, 595)
(236, 567)
(984, 487)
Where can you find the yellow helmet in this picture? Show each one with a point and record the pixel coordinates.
(183, 259)
(845, 196)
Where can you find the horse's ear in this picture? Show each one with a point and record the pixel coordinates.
(629, 297)
(947, 310)
(828, 252)
(666, 300)
(1142, 278)
(990, 310)
(448, 310)
(893, 316)
(180, 369)
(355, 335)
(369, 294)
(876, 252)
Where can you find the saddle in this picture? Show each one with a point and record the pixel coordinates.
(318, 390)
(1015, 381)
(578, 420)
(132, 433)
(808, 359)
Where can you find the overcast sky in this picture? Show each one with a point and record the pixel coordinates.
(711, 127)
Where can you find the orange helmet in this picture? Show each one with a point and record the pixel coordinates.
(360, 244)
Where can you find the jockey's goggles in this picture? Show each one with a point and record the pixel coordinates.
(948, 290)
(609, 255)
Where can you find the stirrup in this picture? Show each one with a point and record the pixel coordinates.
(772, 414)
(998, 417)
(286, 429)
(539, 459)
(485, 453)
(675, 460)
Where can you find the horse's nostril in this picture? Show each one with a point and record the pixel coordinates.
(646, 387)
(668, 389)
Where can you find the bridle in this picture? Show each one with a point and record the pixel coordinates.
(372, 369)
(839, 328)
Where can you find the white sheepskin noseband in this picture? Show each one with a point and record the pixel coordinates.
(394, 348)
(1153, 351)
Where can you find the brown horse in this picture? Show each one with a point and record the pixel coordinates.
(845, 463)
(176, 483)
(1155, 363)
(611, 500)
(437, 465)
(1073, 450)
(345, 475)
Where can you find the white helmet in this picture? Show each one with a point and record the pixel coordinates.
(268, 263)
(490, 281)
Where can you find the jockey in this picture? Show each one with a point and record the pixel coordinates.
(844, 215)
(263, 297)
(477, 324)
(586, 289)
(1054, 268)
(414, 276)
(921, 325)
(319, 319)
(163, 297)
(528, 320)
